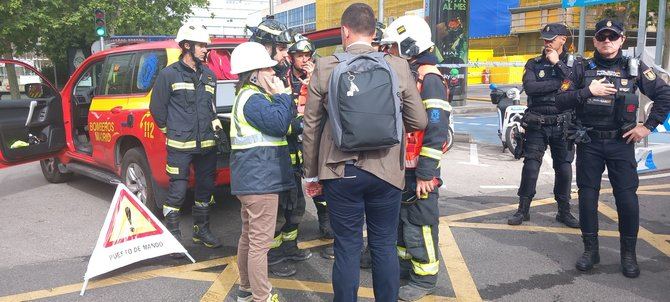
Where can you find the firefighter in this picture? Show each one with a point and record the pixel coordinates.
(603, 93)
(182, 104)
(379, 33)
(302, 65)
(410, 38)
(544, 125)
(276, 39)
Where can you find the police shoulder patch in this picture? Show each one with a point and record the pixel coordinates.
(565, 85)
(649, 74)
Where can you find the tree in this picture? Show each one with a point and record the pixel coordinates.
(628, 12)
(60, 24)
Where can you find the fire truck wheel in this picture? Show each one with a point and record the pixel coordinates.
(136, 175)
(52, 172)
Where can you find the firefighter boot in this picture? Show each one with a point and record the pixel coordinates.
(629, 266)
(563, 216)
(201, 232)
(282, 269)
(521, 214)
(411, 292)
(172, 225)
(591, 256)
(292, 252)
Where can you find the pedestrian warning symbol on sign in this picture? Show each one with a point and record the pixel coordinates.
(130, 233)
(129, 221)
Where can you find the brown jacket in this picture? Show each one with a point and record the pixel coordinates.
(321, 156)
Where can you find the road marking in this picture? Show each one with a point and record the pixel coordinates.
(491, 125)
(654, 176)
(475, 124)
(474, 157)
(500, 187)
(196, 276)
(528, 228)
(223, 284)
(461, 279)
(656, 193)
(500, 209)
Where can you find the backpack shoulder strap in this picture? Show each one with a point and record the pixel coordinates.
(343, 56)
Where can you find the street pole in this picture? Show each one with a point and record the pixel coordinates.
(641, 28)
(102, 43)
(582, 30)
(660, 32)
(380, 18)
(272, 7)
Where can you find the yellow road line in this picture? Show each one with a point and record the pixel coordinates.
(529, 228)
(654, 187)
(461, 279)
(116, 280)
(196, 276)
(656, 193)
(495, 210)
(222, 285)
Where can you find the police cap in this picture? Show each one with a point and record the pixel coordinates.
(552, 30)
(609, 24)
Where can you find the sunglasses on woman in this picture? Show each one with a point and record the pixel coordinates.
(611, 36)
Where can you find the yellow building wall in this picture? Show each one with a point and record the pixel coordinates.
(329, 12)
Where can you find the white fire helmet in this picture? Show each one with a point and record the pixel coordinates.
(250, 56)
(412, 35)
(193, 32)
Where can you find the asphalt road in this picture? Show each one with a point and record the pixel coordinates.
(49, 231)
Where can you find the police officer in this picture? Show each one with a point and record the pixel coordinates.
(410, 38)
(182, 104)
(276, 39)
(603, 94)
(544, 124)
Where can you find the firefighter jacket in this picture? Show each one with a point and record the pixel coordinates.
(615, 111)
(182, 105)
(299, 93)
(424, 148)
(541, 81)
(259, 160)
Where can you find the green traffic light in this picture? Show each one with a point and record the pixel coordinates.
(101, 31)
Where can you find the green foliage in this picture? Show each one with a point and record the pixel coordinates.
(59, 24)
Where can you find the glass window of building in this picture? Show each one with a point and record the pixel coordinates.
(295, 17)
(310, 13)
(281, 17)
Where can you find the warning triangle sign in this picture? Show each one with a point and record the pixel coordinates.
(129, 221)
(130, 233)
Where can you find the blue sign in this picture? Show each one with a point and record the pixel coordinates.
(576, 3)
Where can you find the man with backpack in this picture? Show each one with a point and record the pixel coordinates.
(410, 38)
(353, 144)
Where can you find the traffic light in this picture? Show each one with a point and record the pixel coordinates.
(100, 24)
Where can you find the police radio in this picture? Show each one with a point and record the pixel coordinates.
(633, 66)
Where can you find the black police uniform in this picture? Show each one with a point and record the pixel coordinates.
(544, 125)
(182, 105)
(605, 120)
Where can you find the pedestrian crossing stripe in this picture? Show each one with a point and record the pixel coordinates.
(129, 221)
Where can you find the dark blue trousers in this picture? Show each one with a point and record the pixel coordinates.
(351, 198)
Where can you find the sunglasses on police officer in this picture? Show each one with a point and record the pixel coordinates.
(612, 36)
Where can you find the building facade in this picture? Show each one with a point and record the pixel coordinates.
(228, 17)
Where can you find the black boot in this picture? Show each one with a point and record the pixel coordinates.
(172, 225)
(629, 266)
(324, 222)
(201, 232)
(563, 216)
(591, 256)
(521, 214)
(292, 251)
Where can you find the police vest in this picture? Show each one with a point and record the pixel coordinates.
(613, 111)
(242, 134)
(543, 72)
(414, 140)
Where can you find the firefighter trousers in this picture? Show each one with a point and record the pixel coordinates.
(289, 215)
(204, 166)
(418, 248)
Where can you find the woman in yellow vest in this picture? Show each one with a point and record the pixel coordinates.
(260, 165)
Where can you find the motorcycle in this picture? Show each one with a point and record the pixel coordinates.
(510, 113)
